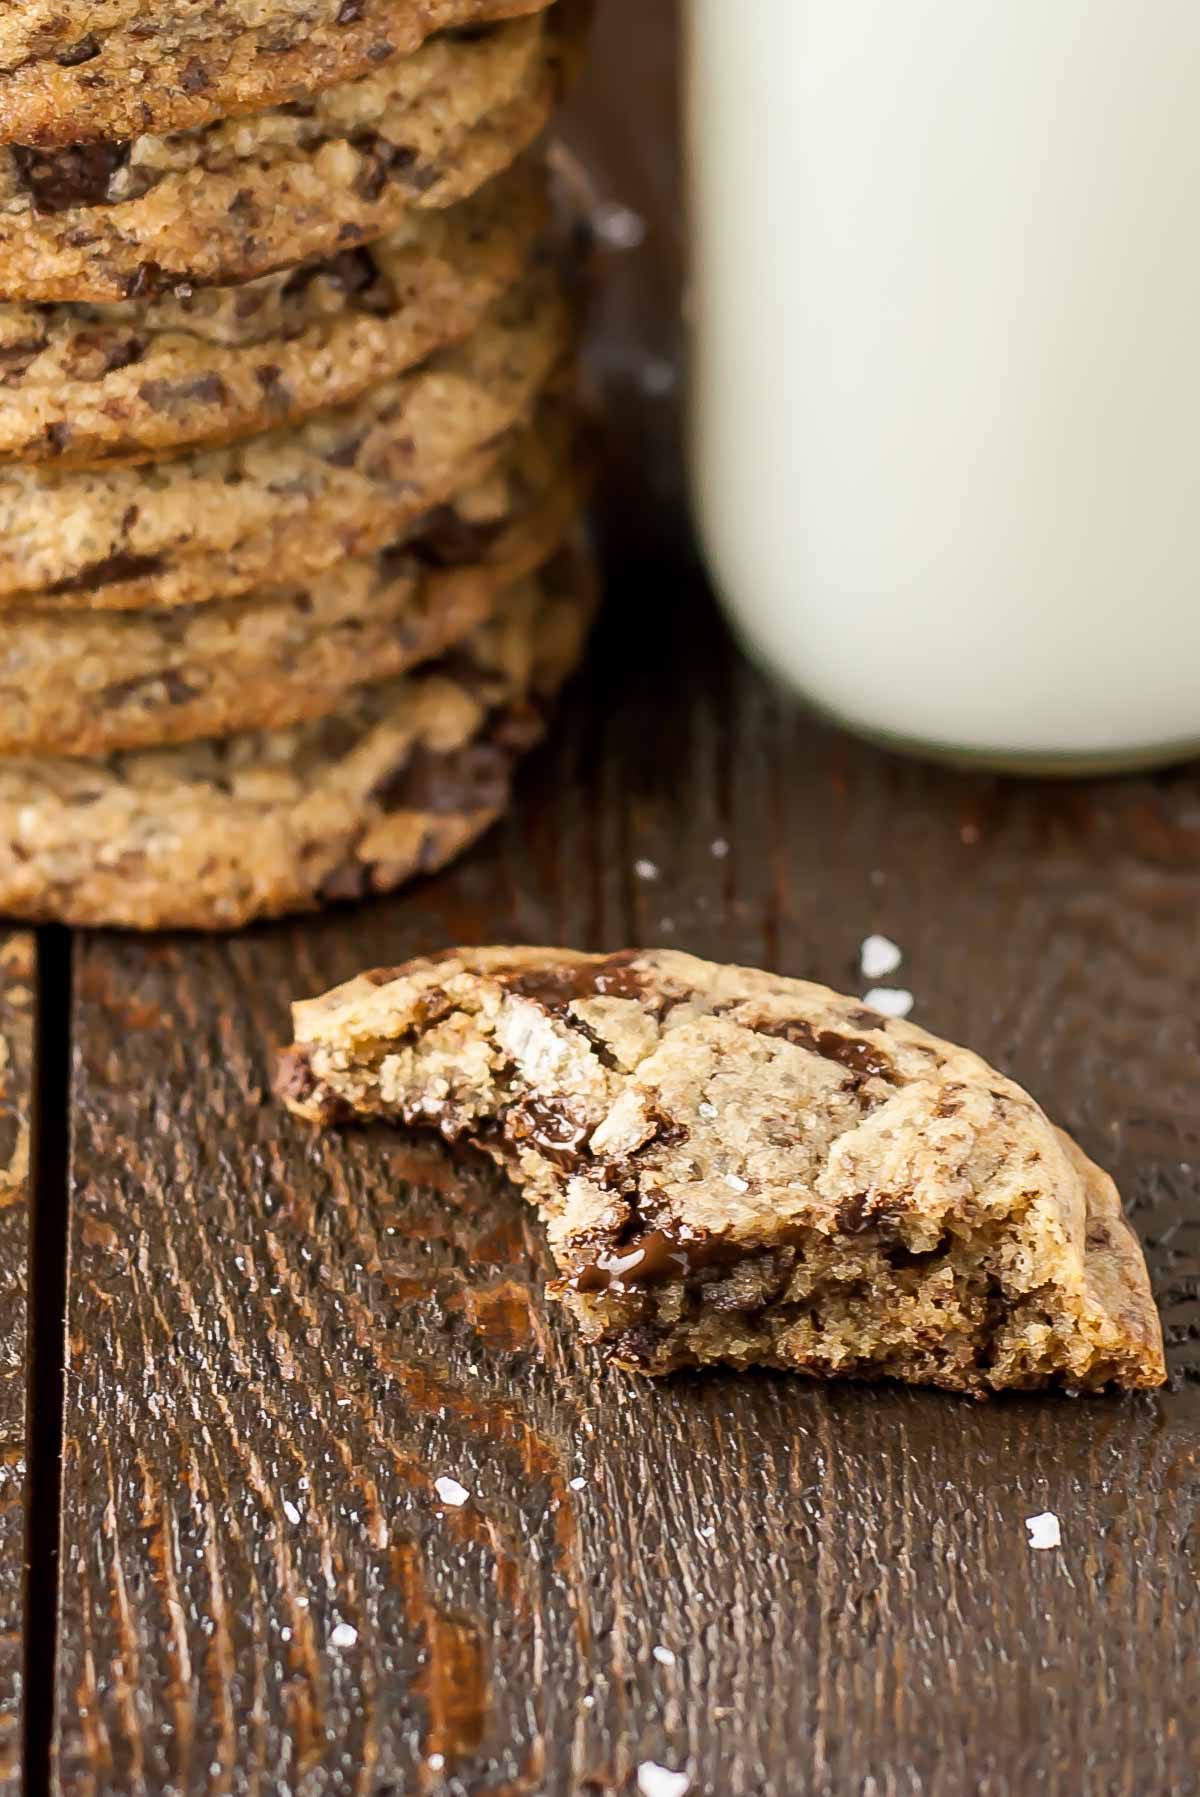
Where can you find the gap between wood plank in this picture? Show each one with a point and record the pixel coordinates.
(47, 1316)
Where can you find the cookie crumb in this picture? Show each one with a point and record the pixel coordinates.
(344, 1635)
(451, 1492)
(659, 1781)
(893, 1001)
(878, 957)
(1044, 1530)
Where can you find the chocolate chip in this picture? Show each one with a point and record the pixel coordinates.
(270, 379)
(58, 436)
(349, 880)
(110, 571)
(860, 1058)
(171, 685)
(383, 162)
(80, 175)
(349, 12)
(448, 540)
(556, 987)
(554, 1134)
(84, 50)
(165, 396)
(245, 207)
(147, 278)
(473, 778)
(853, 1214)
(193, 77)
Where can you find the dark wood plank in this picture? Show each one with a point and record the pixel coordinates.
(17, 1010)
(278, 1344)
(262, 1319)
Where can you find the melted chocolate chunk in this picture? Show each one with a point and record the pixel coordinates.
(659, 1256)
(556, 1135)
(58, 180)
(555, 988)
(860, 1058)
(383, 976)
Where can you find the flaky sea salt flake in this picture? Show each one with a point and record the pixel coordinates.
(1044, 1530)
(659, 1781)
(451, 1492)
(878, 957)
(618, 227)
(893, 1001)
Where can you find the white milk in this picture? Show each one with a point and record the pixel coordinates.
(946, 296)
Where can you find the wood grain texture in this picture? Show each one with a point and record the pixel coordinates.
(278, 1342)
(17, 1011)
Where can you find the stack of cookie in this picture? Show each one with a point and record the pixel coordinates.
(289, 546)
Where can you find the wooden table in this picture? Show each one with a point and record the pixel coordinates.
(275, 1344)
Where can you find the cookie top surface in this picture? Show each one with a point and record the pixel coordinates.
(87, 383)
(288, 503)
(211, 834)
(232, 200)
(87, 69)
(672, 1116)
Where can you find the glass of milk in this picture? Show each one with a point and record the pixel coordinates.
(946, 374)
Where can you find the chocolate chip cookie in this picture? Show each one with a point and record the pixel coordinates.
(210, 835)
(90, 683)
(72, 71)
(231, 200)
(737, 1167)
(285, 505)
(84, 384)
